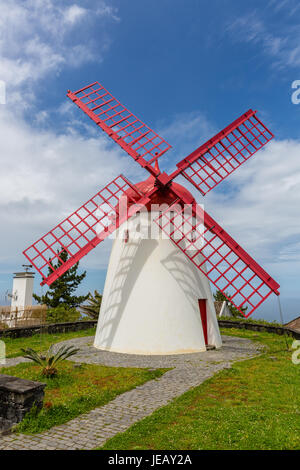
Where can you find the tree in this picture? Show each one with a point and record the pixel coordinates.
(61, 291)
(92, 308)
(220, 297)
(62, 314)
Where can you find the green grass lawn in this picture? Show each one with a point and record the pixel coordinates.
(253, 405)
(41, 341)
(76, 390)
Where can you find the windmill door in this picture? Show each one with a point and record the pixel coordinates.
(203, 315)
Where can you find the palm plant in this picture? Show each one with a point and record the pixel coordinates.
(92, 308)
(51, 359)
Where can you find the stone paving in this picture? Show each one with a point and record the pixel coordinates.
(94, 428)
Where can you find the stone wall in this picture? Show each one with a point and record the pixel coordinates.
(83, 325)
(17, 397)
(278, 330)
(48, 328)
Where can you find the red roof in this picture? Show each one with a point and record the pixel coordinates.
(294, 324)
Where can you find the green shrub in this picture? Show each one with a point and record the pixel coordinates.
(252, 320)
(62, 314)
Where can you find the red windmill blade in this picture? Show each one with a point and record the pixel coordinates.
(226, 264)
(84, 229)
(212, 162)
(137, 139)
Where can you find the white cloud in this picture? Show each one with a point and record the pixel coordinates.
(259, 204)
(282, 46)
(40, 37)
(261, 208)
(290, 252)
(289, 6)
(73, 13)
(185, 132)
(191, 127)
(45, 176)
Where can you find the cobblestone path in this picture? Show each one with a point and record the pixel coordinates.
(95, 427)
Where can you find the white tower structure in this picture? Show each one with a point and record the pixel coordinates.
(22, 290)
(155, 300)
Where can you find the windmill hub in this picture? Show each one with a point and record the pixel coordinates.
(157, 297)
(163, 195)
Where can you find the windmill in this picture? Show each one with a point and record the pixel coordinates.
(157, 296)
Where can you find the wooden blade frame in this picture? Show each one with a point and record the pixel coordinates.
(217, 255)
(137, 139)
(213, 161)
(84, 229)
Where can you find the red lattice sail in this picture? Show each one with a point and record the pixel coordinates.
(81, 231)
(232, 271)
(211, 163)
(139, 141)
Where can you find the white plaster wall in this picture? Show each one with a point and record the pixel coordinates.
(225, 311)
(150, 300)
(23, 287)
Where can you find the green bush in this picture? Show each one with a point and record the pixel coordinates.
(62, 314)
(252, 320)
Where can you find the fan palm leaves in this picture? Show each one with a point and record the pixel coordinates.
(92, 307)
(51, 359)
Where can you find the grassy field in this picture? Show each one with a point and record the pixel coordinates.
(41, 341)
(76, 390)
(253, 405)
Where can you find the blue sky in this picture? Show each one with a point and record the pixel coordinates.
(185, 67)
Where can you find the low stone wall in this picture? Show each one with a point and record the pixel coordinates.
(17, 397)
(83, 325)
(278, 330)
(19, 332)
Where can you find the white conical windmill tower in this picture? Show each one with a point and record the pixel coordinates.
(157, 297)
(155, 300)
